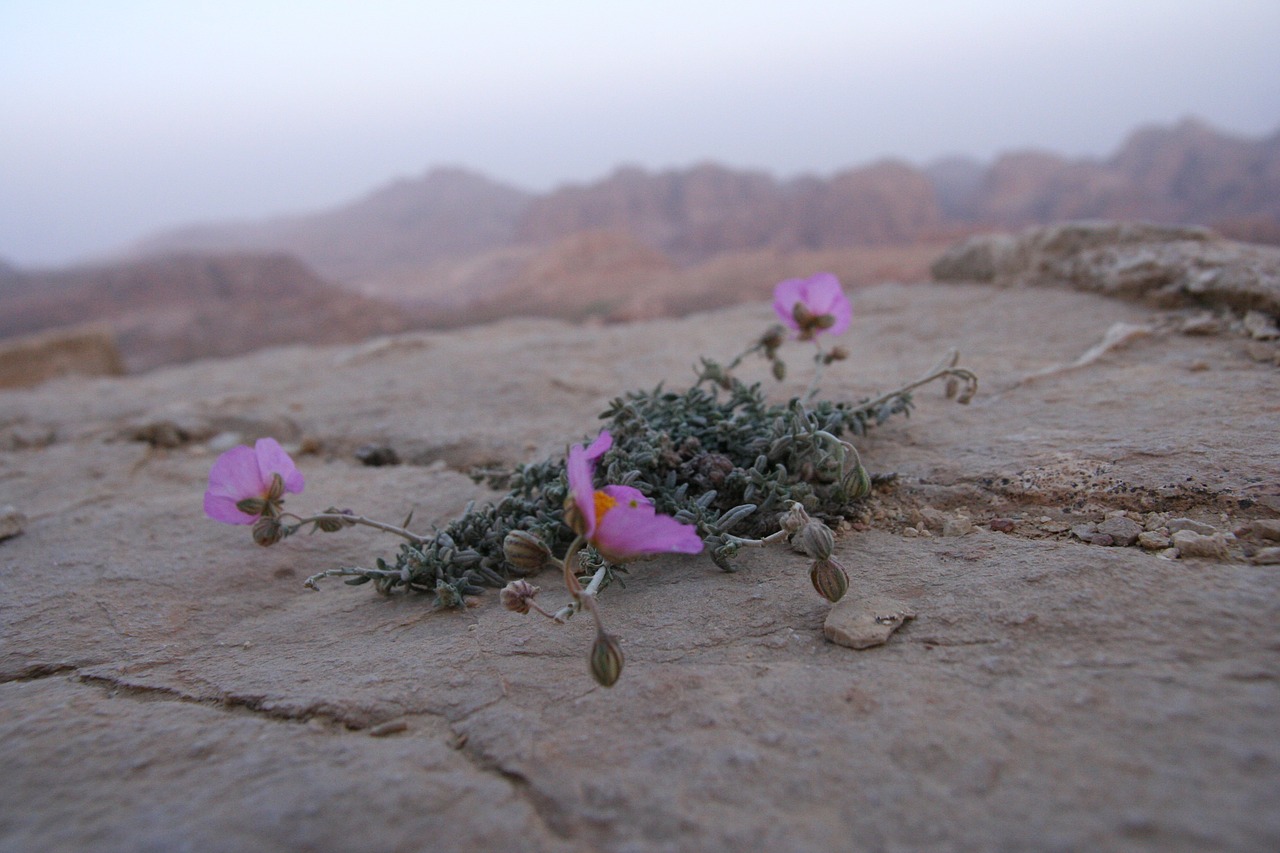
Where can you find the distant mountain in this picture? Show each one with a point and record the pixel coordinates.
(1186, 174)
(452, 247)
(453, 237)
(406, 226)
(182, 307)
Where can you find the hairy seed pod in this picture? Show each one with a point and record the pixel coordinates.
(830, 579)
(816, 540)
(794, 518)
(524, 552)
(268, 531)
(857, 483)
(606, 659)
(516, 595)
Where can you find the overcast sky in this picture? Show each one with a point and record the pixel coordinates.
(122, 117)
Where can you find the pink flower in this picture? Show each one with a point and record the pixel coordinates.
(243, 482)
(618, 520)
(812, 306)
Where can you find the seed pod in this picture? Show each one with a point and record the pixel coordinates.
(524, 552)
(857, 483)
(606, 659)
(516, 595)
(816, 540)
(830, 579)
(794, 518)
(268, 531)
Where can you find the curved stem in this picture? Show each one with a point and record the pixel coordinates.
(592, 588)
(359, 519)
(776, 536)
(352, 571)
(819, 363)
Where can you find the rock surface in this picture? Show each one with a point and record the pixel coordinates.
(166, 684)
(1169, 265)
(31, 359)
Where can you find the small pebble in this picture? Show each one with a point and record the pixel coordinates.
(1124, 531)
(390, 727)
(1192, 544)
(1003, 525)
(910, 532)
(1176, 524)
(1260, 327)
(1149, 540)
(959, 525)
(1101, 539)
(1201, 324)
(1084, 532)
(1265, 528)
(11, 522)
(1266, 557)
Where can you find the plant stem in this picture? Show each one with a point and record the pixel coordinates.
(776, 536)
(360, 519)
(352, 571)
(592, 588)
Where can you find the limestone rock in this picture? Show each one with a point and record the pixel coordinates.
(32, 359)
(166, 684)
(1123, 531)
(1192, 544)
(12, 522)
(860, 623)
(1169, 265)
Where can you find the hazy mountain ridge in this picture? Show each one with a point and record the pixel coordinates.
(452, 247)
(183, 307)
(408, 238)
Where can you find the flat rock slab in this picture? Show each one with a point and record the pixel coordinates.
(169, 685)
(860, 623)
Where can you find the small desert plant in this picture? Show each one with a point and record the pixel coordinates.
(716, 468)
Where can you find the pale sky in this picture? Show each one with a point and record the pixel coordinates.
(119, 118)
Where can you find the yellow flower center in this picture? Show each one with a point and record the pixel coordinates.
(603, 504)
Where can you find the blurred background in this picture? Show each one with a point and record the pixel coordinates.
(352, 169)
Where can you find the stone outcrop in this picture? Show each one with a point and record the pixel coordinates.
(83, 351)
(1040, 684)
(1168, 265)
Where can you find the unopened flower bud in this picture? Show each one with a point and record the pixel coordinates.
(517, 595)
(816, 540)
(952, 387)
(829, 579)
(268, 531)
(794, 518)
(835, 354)
(276, 492)
(333, 525)
(772, 339)
(606, 659)
(857, 483)
(252, 506)
(779, 369)
(525, 552)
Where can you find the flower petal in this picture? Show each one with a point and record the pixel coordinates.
(626, 495)
(273, 460)
(628, 531)
(785, 296)
(233, 477)
(579, 468)
(820, 294)
(223, 508)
